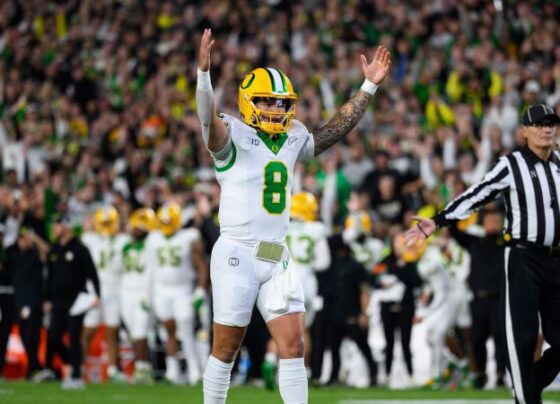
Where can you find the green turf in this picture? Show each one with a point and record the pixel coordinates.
(163, 394)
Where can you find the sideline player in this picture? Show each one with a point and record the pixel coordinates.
(254, 160)
(104, 244)
(135, 291)
(178, 264)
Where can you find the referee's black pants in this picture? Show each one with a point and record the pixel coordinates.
(62, 321)
(531, 286)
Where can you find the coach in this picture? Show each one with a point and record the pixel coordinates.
(70, 266)
(530, 182)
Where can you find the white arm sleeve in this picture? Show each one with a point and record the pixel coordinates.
(204, 102)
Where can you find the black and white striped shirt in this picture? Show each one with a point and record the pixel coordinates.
(531, 188)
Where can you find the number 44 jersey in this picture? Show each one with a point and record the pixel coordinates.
(256, 180)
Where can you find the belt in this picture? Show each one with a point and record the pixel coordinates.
(270, 251)
(541, 249)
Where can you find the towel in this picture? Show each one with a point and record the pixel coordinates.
(285, 284)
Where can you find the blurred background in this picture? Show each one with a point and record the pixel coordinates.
(97, 108)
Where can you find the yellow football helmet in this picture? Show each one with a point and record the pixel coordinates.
(304, 207)
(106, 221)
(169, 218)
(143, 219)
(363, 222)
(464, 224)
(275, 88)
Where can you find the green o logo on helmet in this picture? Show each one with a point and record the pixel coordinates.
(251, 77)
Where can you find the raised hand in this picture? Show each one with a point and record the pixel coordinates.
(377, 69)
(422, 230)
(206, 44)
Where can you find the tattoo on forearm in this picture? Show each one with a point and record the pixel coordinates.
(342, 122)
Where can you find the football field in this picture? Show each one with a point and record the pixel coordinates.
(20, 392)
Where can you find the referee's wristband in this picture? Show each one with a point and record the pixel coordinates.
(369, 87)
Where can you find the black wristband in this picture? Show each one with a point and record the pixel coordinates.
(421, 229)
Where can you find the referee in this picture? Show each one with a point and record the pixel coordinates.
(530, 182)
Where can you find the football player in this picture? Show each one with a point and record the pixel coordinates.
(439, 268)
(180, 275)
(135, 290)
(254, 158)
(104, 245)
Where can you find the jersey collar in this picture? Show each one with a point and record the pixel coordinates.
(533, 159)
(274, 146)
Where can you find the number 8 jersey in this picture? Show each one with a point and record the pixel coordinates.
(256, 180)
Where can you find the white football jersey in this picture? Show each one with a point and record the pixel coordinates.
(105, 251)
(171, 257)
(369, 253)
(308, 246)
(459, 264)
(135, 276)
(256, 180)
(432, 270)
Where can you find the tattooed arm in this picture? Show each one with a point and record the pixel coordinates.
(342, 122)
(351, 112)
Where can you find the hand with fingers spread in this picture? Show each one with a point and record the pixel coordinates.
(206, 45)
(377, 69)
(423, 229)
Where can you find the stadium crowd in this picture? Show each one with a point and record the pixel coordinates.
(97, 108)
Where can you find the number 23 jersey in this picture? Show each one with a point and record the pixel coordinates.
(256, 180)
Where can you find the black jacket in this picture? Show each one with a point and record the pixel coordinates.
(487, 261)
(69, 268)
(27, 275)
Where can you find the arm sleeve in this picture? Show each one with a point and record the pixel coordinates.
(477, 195)
(205, 107)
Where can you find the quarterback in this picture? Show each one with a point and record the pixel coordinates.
(254, 158)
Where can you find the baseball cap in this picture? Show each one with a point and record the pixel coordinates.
(62, 218)
(537, 114)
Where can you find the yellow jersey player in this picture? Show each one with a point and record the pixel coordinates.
(254, 159)
(104, 244)
(179, 278)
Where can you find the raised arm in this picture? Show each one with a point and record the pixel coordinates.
(214, 132)
(350, 113)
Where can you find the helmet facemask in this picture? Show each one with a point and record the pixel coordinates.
(269, 121)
